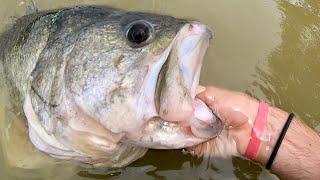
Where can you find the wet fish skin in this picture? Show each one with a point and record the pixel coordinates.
(85, 90)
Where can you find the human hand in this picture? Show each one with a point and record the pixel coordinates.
(237, 112)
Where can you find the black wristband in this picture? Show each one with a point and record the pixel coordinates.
(277, 146)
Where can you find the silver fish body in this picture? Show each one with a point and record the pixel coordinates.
(101, 86)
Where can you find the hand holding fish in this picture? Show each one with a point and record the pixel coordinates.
(237, 111)
(299, 149)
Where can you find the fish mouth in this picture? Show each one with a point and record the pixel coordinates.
(178, 79)
(178, 119)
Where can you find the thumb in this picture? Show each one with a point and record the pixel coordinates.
(210, 96)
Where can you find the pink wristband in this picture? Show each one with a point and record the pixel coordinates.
(257, 130)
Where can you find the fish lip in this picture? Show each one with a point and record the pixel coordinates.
(193, 82)
(201, 44)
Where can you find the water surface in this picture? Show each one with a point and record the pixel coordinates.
(269, 49)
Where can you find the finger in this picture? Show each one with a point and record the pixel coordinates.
(218, 100)
(209, 95)
(222, 146)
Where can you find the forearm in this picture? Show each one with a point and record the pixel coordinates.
(299, 153)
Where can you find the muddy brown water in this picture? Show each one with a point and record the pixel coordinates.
(269, 49)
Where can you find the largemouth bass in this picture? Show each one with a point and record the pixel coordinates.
(100, 85)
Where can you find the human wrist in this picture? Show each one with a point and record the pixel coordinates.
(276, 119)
(298, 151)
(242, 135)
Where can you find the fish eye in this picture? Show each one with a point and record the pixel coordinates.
(139, 33)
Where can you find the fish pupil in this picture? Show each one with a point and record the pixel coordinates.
(138, 33)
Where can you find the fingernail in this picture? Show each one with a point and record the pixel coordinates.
(200, 89)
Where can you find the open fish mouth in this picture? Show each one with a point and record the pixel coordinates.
(179, 76)
(177, 119)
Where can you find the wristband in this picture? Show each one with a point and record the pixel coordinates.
(279, 141)
(257, 131)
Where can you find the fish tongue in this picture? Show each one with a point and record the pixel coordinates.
(204, 123)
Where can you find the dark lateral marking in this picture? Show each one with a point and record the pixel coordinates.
(190, 27)
(42, 99)
(118, 61)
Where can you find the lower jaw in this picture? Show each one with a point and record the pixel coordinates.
(202, 122)
(158, 133)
